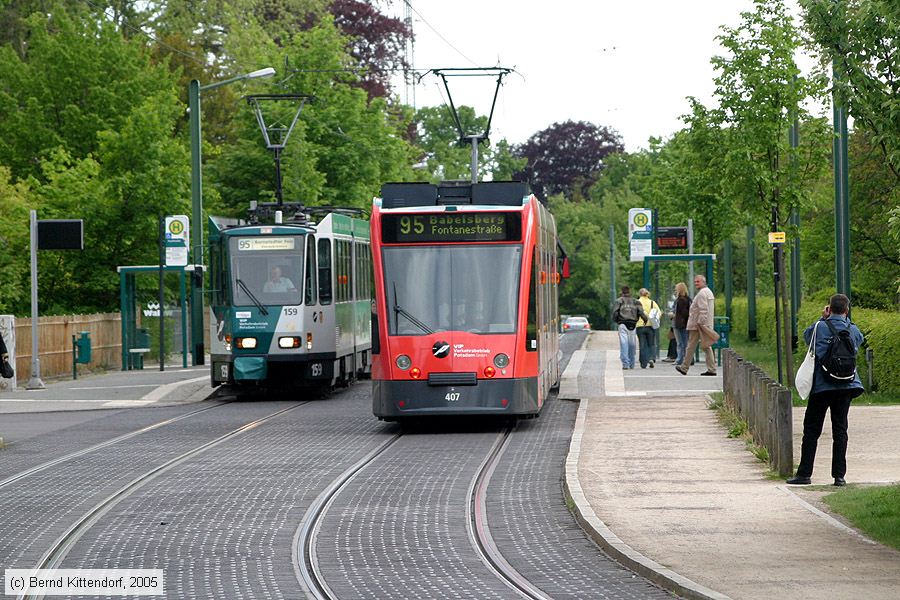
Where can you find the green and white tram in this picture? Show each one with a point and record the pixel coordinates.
(290, 302)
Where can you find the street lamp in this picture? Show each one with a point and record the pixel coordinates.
(197, 350)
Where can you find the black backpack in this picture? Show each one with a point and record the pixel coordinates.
(839, 362)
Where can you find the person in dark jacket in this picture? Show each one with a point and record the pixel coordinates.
(828, 395)
(680, 319)
(4, 353)
(626, 313)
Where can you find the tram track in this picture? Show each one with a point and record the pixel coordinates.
(306, 566)
(53, 557)
(477, 523)
(105, 444)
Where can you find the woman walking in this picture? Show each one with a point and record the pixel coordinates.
(679, 323)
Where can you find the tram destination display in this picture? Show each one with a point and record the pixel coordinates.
(265, 243)
(452, 227)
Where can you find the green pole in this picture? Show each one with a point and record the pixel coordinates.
(795, 242)
(123, 299)
(184, 360)
(197, 350)
(841, 202)
(729, 276)
(841, 180)
(751, 282)
(194, 89)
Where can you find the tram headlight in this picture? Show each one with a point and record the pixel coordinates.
(403, 362)
(247, 343)
(501, 361)
(289, 342)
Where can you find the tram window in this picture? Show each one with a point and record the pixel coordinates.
(310, 283)
(339, 271)
(345, 283)
(325, 294)
(215, 266)
(531, 338)
(348, 270)
(363, 275)
(263, 275)
(461, 288)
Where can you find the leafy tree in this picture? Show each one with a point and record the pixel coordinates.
(439, 138)
(78, 77)
(687, 182)
(582, 232)
(14, 243)
(873, 253)
(567, 157)
(761, 91)
(377, 42)
(446, 158)
(860, 36)
(88, 124)
(343, 147)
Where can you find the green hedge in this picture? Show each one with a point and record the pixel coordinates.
(881, 329)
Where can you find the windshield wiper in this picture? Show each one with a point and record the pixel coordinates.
(398, 310)
(247, 291)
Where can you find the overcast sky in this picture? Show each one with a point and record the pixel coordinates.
(625, 64)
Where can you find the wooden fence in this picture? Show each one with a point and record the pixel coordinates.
(765, 404)
(55, 343)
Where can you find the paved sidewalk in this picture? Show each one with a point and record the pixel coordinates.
(654, 474)
(113, 389)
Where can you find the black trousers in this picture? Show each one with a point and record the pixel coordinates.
(838, 401)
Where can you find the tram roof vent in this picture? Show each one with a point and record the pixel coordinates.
(407, 195)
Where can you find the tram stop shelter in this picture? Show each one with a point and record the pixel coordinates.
(135, 340)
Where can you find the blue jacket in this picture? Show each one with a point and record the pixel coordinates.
(823, 339)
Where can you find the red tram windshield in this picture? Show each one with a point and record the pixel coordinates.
(471, 288)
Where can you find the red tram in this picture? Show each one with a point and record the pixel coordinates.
(466, 286)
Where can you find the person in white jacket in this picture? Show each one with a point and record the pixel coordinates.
(700, 328)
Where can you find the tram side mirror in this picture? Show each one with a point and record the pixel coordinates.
(565, 268)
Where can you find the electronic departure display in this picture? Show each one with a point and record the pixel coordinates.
(452, 227)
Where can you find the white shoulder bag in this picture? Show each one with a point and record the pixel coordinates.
(807, 370)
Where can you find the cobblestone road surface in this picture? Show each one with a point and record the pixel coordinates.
(221, 524)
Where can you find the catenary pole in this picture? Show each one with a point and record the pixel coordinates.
(34, 383)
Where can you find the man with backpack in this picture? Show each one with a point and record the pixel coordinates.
(626, 312)
(835, 384)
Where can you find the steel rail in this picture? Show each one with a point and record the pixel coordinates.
(477, 525)
(55, 555)
(303, 552)
(67, 457)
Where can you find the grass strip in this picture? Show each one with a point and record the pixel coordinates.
(873, 510)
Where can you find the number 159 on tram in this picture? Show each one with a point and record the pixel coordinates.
(465, 318)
